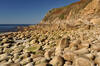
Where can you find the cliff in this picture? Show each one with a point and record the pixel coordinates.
(86, 11)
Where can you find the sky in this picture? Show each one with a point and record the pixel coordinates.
(27, 11)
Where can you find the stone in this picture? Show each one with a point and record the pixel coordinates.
(7, 40)
(82, 51)
(6, 44)
(3, 64)
(66, 49)
(89, 56)
(95, 21)
(10, 61)
(95, 47)
(14, 64)
(26, 54)
(74, 43)
(42, 38)
(97, 61)
(1, 50)
(82, 62)
(84, 45)
(29, 64)
(67, 63)
(17, 60)
(64, 42)
(7, 50)
(58, 52)
(57, 61)
(16, 56)
(32, 41)
(18, 49)
(73, 48)
(25, 61)
(49, 53)
(97, 53)
(69, 56)
(11, 64)
(4, 57)
(41, 64)
(4, 40)
(33, 48)
(39, 60)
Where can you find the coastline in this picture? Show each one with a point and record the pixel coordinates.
(5, 33)
(4, 28)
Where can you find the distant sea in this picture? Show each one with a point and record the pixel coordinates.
(10, 27)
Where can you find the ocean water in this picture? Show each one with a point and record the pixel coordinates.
(10, 27)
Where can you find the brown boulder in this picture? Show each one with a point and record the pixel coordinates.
(82, 62)
(69, 56)
(57, 61)
(97, 60)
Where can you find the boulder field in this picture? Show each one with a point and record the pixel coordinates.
(76, 47)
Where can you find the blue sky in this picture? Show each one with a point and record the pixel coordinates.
(27, 11)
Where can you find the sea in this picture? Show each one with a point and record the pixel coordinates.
(10, 27)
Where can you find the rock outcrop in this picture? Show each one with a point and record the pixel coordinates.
(84, 10)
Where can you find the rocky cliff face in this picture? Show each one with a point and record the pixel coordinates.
(86, 11)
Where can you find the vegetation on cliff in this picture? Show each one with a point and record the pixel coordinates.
(74, 11)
